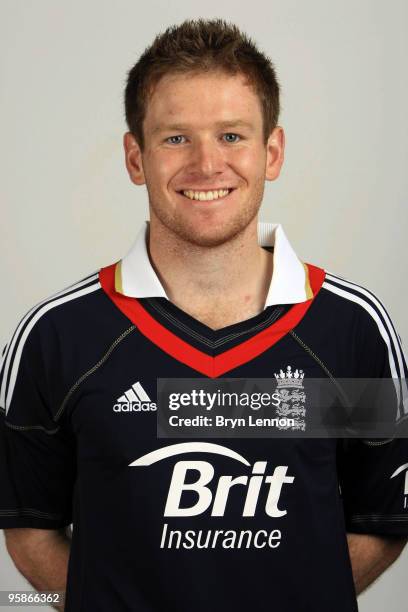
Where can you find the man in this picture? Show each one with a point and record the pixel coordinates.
(206, 292)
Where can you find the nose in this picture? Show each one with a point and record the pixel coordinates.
(206, 158)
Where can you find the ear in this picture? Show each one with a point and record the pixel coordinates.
(275, 149)
(133, 158)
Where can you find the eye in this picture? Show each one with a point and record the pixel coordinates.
(171, 138)
(233, 135)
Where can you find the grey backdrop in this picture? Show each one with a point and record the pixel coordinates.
(68, 207)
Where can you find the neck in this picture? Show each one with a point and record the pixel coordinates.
(237, 272)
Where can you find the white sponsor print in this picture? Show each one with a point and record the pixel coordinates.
(134, 399)
(211, 493)
(398, 471)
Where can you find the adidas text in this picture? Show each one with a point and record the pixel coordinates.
(134, 407)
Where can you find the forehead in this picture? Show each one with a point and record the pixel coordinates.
(202, 98)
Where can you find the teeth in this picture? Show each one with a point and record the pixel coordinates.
(206, 195)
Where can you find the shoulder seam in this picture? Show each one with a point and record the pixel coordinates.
(28, 427)
(93, 369)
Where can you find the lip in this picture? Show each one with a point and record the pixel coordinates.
(205, 188)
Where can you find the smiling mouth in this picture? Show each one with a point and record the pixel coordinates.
(206, 196)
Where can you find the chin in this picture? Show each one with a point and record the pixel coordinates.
(202, 229)
(206, 234)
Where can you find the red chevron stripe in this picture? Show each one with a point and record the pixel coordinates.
(211, 366)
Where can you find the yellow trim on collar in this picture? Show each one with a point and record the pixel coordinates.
(118, 277)
(308, 288)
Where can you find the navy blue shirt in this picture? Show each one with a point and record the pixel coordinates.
(67, 448)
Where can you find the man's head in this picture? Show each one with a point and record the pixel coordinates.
(202, 105)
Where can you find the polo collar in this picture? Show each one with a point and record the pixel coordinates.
(135, 275)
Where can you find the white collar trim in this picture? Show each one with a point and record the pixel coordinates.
(289, 284)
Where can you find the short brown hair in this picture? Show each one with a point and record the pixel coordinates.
(200, 46)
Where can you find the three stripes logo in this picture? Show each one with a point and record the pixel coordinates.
(134, 399)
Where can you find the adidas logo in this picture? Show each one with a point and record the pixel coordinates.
(134, 399)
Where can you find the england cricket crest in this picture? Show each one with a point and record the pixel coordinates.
(293, 397)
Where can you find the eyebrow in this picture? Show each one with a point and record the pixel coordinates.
(162, 127)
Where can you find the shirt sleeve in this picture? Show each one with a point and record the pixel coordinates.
(373, 473)
(37, 449)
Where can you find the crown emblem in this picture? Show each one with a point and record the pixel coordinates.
(289, 378)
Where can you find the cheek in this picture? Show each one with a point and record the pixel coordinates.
(249, 163)
(163, 168)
